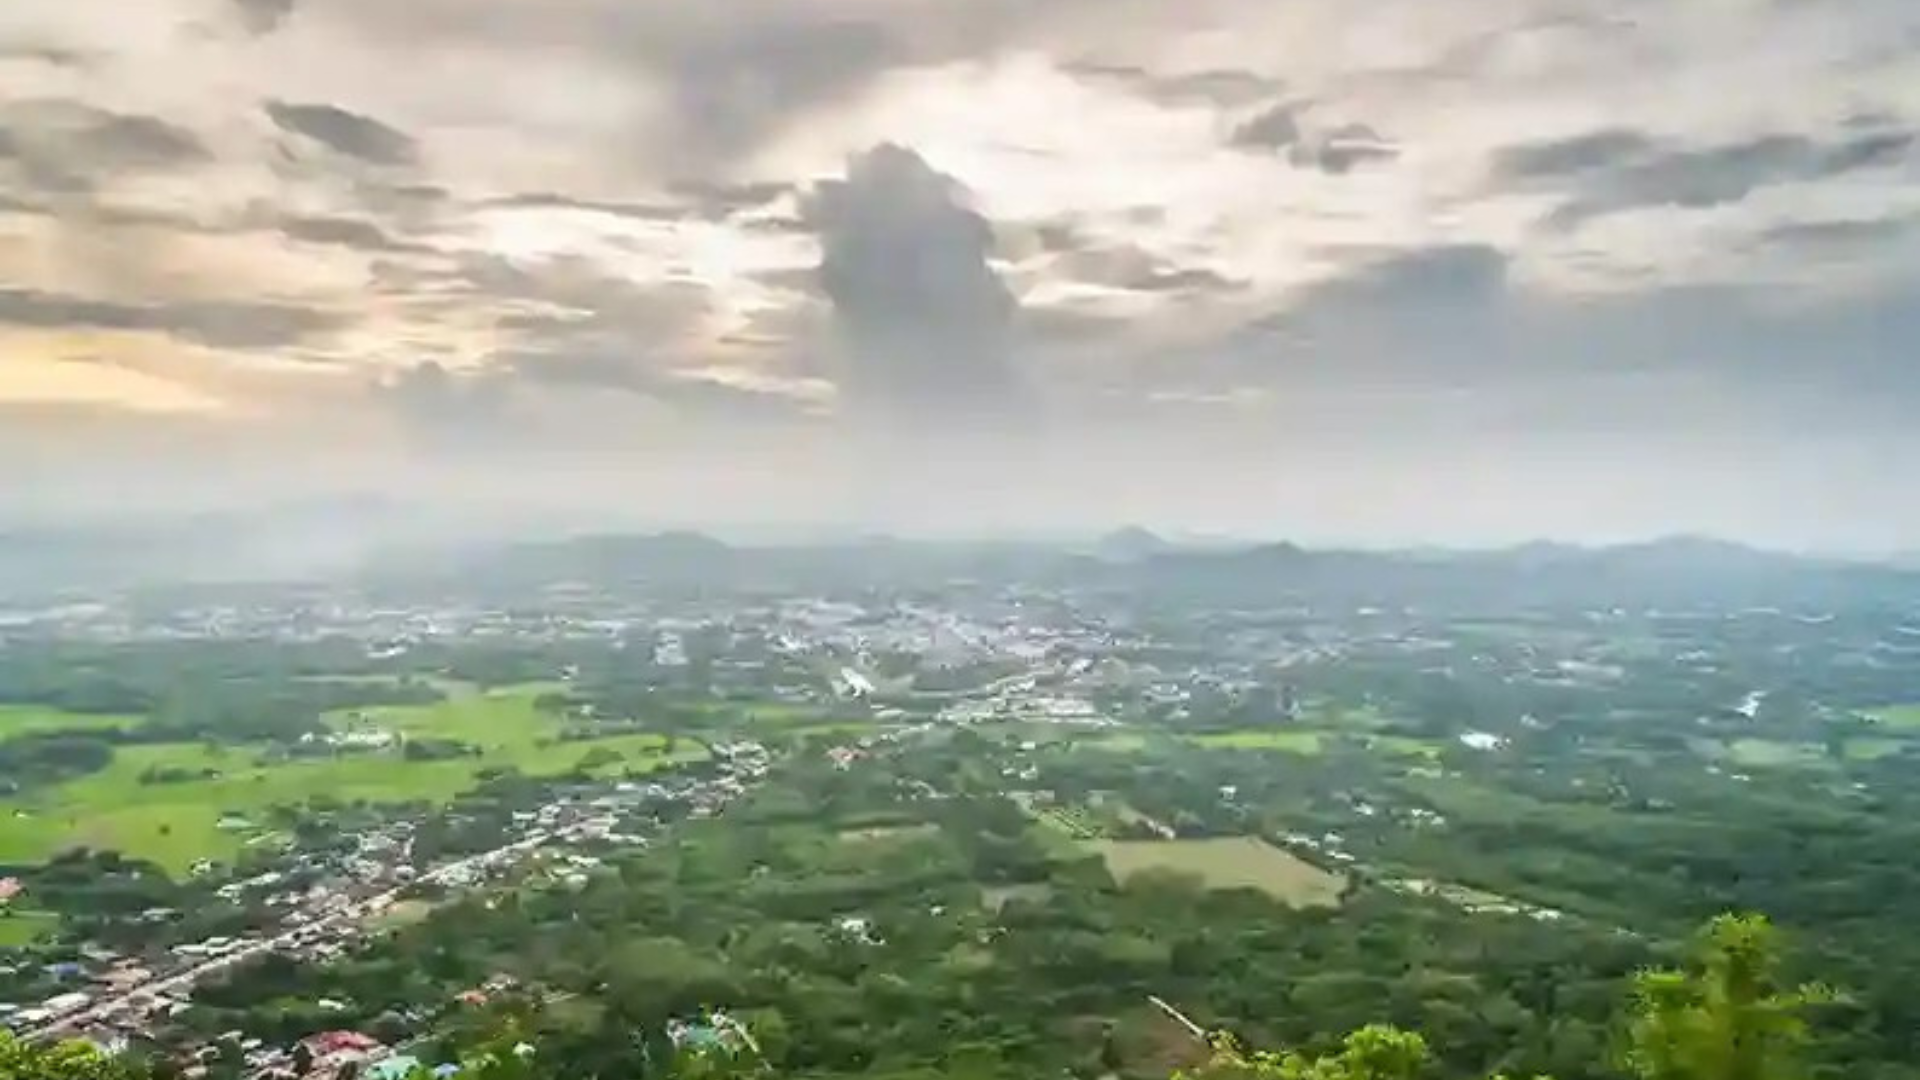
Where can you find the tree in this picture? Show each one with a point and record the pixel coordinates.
(1375, 1052)
(22, 1060)
(1726, 1018)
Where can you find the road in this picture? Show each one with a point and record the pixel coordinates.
(186, 979)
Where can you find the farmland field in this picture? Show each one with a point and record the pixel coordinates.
(1897, 716)
(24, 927)
(1768, 753)
(1290, 740)
(176, 824)
(1875, 749)
(1237, 862)
(18, 720)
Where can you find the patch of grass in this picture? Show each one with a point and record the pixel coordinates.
(20, 720)
(25, 926)
(1227, 863)
(1291, 740)
(888, 832)
(1404, 746)
(1896, 716)
(1875, 749)
(1771, 753)
(403, 914)
(177, 824)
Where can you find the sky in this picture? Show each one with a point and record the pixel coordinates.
(1386, 272)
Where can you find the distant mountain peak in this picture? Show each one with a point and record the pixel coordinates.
(1132, 543)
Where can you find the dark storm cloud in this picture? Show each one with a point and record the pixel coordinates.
(925, 319)
(1616, 170)
(348, 133)
(263, 16)
(219, 324)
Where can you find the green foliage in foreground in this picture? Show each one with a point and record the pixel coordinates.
(1724, 1017)
(20, 1060)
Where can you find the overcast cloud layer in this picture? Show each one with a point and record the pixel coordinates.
(1389, 272)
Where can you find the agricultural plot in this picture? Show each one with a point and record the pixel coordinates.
(1897, 716)
(20, 720)
(1290, 740)
(222, 803)
(24, 927)
(1229, 863)
(1772, 753)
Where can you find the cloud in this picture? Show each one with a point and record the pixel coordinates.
(925, 319)
(1335, 151)
(1618, 170)
(261, 17)
(233, 324)
(1222, 87)
(354, 233)
(1576, 154)
(1135, 269)
(63, 147)
(1274, 129)
(733, 88)
(1341, 150)
(348, 133)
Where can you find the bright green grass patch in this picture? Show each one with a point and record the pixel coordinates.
(19, 720)
(1227, 863)
(1291, 741)
(1896, 716)
(24, 927)
(1875, 749)
(1771, 753)
(177, 824)
(1404, 746)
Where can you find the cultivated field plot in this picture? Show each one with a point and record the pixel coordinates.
(1228, 863)
(1292, 741)
(21, 720)
(1897, 716)
(222, 806)
(19, 928)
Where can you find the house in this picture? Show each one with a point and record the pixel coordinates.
(330, 1051)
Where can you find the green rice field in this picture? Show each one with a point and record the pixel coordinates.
(177, 824)
(1227, 863)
